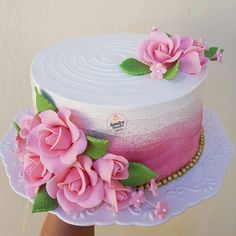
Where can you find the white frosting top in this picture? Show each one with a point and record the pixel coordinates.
(86, 70)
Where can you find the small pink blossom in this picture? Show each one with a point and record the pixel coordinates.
(161, 209)
(158, 70)
(137, 198)
(153, 187)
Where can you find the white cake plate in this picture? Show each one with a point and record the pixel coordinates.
(203, 181)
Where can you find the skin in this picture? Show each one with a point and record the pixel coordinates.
(53, 226)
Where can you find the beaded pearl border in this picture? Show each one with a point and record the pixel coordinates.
(184, 169)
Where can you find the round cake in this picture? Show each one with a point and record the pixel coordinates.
(150, 121)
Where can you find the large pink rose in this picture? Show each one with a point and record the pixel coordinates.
(77, 187)
(159, 48)
(193, 59)
(57, 140)
(112, 167)
(34, 173)
(117, 195)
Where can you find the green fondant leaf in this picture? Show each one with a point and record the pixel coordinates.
(171, 72)
(96, 147)
(42, 103)
(17, 127)
(169, 35)
(138, 174)
(132, 66)
(210, 53)
(43, 202)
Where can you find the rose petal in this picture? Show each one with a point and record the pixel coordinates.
(161, 57)
(110, 197)
(186, 42)
(175, 57)
(104, 168)
(63, 140)
(65, 115)
(96, 196)
(143, 49)
(176, 43)
(53, 164)
(73, 196)
(67, 206)
(158, 35)
(51, 118)
(69, 157)
(87, 163)
(52, 185)
(190, 63)
(32, 140)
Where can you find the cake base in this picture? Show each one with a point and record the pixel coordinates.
(201, 182)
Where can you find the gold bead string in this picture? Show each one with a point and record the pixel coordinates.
(185, 168)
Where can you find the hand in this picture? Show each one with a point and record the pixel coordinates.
(53, 226)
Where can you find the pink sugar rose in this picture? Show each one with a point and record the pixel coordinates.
(193, 59)
(34, 173)
(117, 195)
(159, 48)
(77, 187)
(27, 123)
(112, 167)
(57, 140)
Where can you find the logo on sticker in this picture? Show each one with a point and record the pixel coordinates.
(117, 122)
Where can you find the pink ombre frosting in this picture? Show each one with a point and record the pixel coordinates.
(165, 150)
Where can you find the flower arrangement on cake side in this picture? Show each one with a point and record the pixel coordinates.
(62, 166)
(163, 55)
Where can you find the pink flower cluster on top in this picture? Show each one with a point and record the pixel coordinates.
(161, 52)
(51, 146)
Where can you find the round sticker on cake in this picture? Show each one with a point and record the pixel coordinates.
(117, 122)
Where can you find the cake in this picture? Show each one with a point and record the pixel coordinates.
(142, 94)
